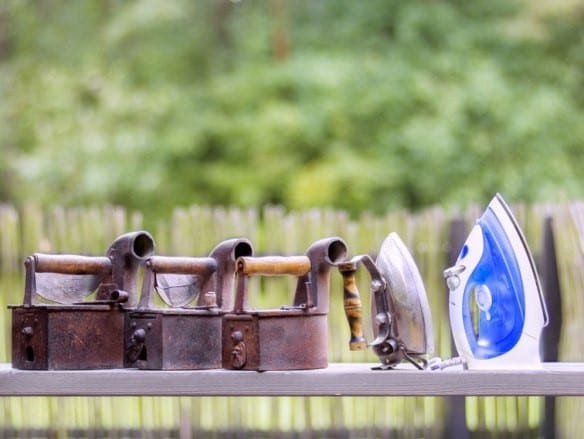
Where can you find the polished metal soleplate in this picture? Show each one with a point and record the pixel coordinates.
(412, 319)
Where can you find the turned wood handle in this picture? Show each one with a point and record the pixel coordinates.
(352, 305)
(273, 265)
(182, 265)
(72, 264)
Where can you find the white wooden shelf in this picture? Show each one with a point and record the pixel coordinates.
(339, 379)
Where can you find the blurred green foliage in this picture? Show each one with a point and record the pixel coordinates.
(358, 105)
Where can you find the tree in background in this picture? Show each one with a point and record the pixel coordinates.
(358, 105)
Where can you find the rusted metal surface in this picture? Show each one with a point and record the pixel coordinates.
(294, 336)
(184, 340)
(67, 338)
(30, 338)
(58, 327)
(186, 333)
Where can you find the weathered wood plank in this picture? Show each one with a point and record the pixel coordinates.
(339, 379)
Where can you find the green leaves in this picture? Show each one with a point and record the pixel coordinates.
(379, 104)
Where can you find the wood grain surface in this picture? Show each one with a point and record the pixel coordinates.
(339, 379)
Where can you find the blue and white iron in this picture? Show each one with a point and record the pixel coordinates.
(497, 310)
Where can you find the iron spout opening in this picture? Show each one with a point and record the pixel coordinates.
(337, 252)
(142, 245)
(226, 254)
(127, 253)
(323, 255)
(137, 246)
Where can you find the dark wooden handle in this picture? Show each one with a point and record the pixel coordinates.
(352, 305)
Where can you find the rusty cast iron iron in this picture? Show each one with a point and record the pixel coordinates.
(294, 336)
(186, 332)
(58, 327)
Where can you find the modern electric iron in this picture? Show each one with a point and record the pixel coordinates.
(497, 310)
(400, 314)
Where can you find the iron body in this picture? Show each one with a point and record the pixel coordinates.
(57, 327)
(294, 336)
(185, 332)
(166, 340)
(400, 313)
(497, 311)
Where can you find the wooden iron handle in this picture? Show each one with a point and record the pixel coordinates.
(273, 265)
(265, 266)
(72, 264)
(203, 266)
(352, 305)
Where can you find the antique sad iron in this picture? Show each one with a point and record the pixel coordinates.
(497, 310)
(400, 313)
(58, 326)
(293, 336)
(184, 332)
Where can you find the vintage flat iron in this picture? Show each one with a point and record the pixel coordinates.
(185, 330)
(72, 316)
(400, 313)
(497, 310)
(293, 336)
